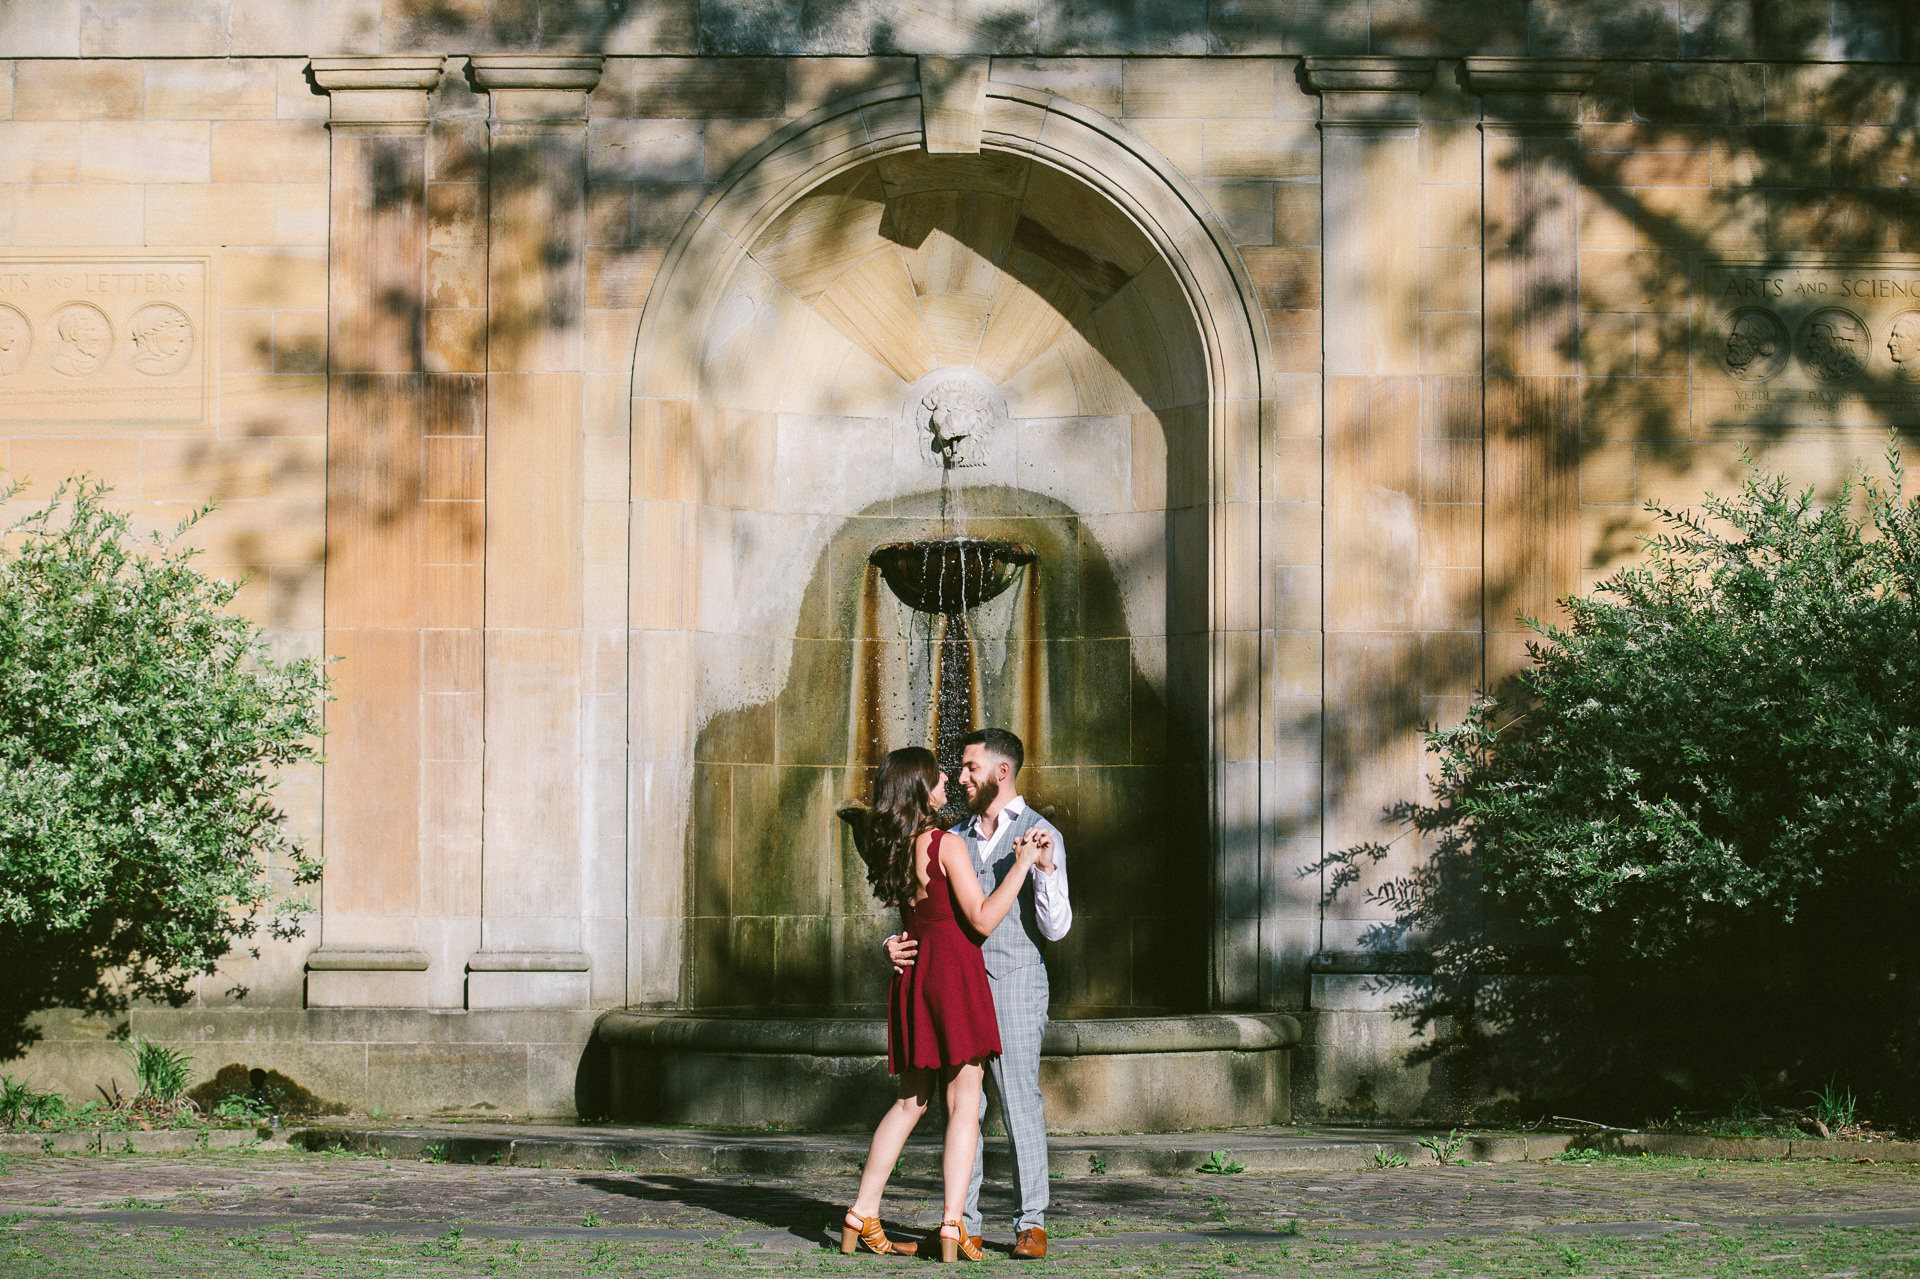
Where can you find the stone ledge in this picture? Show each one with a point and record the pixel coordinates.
(418, 71)
(529, 961)
(139, 1142)
(864, 1036)
(535, 71)
(370, 960)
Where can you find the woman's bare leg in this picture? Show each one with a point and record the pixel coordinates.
(963, 1137)
(890, 1138)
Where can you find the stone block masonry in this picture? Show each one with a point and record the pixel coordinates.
(556, 368)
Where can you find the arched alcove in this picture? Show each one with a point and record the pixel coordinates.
(779, 435)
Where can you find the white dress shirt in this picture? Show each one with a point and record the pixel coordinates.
(1052, 910)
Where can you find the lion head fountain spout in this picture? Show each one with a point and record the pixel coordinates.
(949, 575)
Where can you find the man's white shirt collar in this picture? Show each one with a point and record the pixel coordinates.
(1008, 813)
(1012, 809)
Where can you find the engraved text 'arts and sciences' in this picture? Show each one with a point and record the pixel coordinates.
(1808, 340)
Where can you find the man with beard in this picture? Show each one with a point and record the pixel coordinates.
(990, 763)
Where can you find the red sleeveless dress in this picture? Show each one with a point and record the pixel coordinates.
(940, 1011)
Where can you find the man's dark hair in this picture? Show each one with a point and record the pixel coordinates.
(998, 741)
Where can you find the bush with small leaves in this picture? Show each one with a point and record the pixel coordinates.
(143, 724)
(1702, 797)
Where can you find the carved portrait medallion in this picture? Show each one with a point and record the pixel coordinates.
(16, 340)
(1833, 344)
(1903, 346)
(1755, 344)
(82, 339)
(162, 339)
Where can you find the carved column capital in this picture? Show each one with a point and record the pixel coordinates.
(374, 92)
(1367, 90)
(536, 87)
(1530, 91)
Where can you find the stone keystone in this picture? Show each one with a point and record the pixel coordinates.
(953, 102)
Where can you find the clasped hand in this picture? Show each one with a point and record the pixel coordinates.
(1035, 849)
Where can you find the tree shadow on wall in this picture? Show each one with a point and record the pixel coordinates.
(1707, 112)
(1682, 167)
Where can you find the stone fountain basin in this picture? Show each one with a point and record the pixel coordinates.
(949, 574)
(1099, 1075)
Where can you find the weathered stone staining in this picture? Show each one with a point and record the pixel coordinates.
(564, 380)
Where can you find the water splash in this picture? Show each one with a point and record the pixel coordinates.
(942, 580)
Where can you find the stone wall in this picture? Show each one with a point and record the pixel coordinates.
(387, 314)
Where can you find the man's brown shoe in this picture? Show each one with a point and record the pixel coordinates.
(1031, 1245)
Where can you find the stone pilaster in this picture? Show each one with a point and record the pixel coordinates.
(534, 949)
(1530, 251)
(371, 954)
(1370, 169)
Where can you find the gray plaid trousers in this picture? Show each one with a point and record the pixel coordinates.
(1020, 1006)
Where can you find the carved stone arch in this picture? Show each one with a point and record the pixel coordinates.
(1240, 411)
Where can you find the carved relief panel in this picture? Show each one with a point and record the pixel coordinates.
(1808, 340)
(103, 339)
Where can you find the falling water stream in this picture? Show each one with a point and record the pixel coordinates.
(942, 581)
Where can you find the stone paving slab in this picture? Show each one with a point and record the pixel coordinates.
(256, 1187)
(391, 1208)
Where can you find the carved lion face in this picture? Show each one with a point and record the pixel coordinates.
(955, 408)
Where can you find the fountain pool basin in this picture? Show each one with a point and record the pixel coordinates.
(1098, 1075)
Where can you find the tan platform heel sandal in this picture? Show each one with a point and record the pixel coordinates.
(857, 1230)
(959, 1244)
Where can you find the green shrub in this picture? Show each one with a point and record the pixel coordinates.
(1703, 796)
(141, 727)
(1833, 1107)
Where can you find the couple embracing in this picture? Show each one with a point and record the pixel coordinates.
(969, 995)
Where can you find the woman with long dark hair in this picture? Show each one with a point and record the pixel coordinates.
(940, 1023)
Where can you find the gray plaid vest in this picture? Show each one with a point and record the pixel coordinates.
(1016, 943)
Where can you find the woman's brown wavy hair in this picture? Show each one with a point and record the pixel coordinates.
(902, 808)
